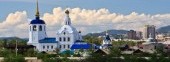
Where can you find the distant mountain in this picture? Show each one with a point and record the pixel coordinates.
(164, 29)
(13, 38)
(111, 32)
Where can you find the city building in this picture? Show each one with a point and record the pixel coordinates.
(161, 37)
(149, 29)
(131, 34)
(138, 35)
(150, 45)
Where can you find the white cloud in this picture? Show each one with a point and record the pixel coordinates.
(14, 25)
(84, 20)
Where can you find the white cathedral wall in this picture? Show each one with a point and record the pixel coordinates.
(106, 42)
(66, 43)
(47, 46)
(41, 34)
(35, 36)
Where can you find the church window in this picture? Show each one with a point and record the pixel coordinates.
(60, 46)
(64, 33)
(60, 39)
(43, 47)
(51, 47)
(40, 28)
(64, 46)
(68, 46)
(47, 47)
(64, 39)
(34, 28)
(68, 38)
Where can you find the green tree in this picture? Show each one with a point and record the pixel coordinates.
(30, 53)
(14, 58)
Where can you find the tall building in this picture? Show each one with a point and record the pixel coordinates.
(131, 34)
(149, 29)
(139, 35)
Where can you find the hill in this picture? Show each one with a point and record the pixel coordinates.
(111, 32)
(164, 29)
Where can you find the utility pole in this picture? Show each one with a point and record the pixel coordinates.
(16, 49)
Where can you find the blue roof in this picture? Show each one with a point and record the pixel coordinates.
(37, 20)
(80, 45)
(48, 40)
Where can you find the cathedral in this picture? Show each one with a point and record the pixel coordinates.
(66, 36)
(107, 42)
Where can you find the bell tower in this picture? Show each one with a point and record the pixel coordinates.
(37, 28)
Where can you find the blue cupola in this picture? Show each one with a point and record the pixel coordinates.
(37, 20)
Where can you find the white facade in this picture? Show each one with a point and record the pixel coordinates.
(67, 34)
(47, 47)
(64, 39)
(38, 37)
(36, 32)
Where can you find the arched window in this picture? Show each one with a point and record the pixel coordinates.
(64, 46)
(43, 47)
(34, 28)
(52, 47)
(64, 33)
(68, 39)
(64, 39)
(60, 39)
(40, 28)
(47, 47)
(60, 46)
(68, 46)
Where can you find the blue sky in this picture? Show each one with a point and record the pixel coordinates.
(116, 6)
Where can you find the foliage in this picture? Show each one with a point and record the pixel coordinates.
(93, 40)
(4, 52)
(14, 58)
(66, 53)
(120, 43)
(30, 53)
(115, 55)
(52, 60)
(100, 58)
(115, 52)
